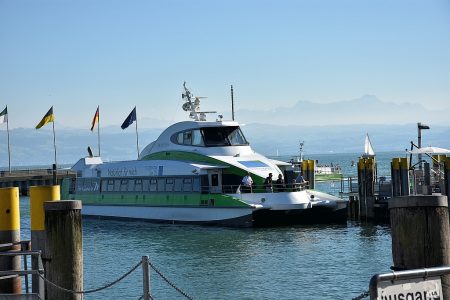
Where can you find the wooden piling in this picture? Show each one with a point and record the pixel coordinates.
(64, 238)
(420, 234)
(10, 234)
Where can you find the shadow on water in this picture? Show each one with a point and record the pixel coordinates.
(251, 263)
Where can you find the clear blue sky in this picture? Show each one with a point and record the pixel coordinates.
(80, 53)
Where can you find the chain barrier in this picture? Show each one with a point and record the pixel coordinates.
(362, 296)
(119, 279)
(169, 282)
(93, 290)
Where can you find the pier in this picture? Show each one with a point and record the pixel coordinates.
(24, 178)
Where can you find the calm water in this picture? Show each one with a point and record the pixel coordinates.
(301, 262)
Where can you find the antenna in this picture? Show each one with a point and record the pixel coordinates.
(232, 103)
(193, 105)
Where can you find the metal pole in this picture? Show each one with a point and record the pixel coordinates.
(54, 141)
(98, 130)
(9, 150)
(145, 278)
(137, 136)
(232, 103)
(419, 144)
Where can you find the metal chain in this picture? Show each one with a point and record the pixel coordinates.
(362, 296)
(169, 282)
(93, 290)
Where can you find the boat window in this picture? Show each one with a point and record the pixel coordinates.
(180, 138)
(153, 185)
(197, 139)
(161, 184)
(138, 187)
(169, 185)
(131, 185)
(223, 136)
(124, 185)
(187, 138)
(145, 185)
(187, 184)
(116, 185)
(214, 179)
(178, 185)
(196, 185)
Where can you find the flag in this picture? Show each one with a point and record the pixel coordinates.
(130, 119)
(4, 115)
(96, 118)
(49, 117)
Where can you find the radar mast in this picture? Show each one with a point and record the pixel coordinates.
(192, 105)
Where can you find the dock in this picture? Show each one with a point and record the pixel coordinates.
(24, 178)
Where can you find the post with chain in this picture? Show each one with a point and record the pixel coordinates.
(64, 240)
(146, 278)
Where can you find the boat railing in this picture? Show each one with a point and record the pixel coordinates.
(240, 188)
(34, 172)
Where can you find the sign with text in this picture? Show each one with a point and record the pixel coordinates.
(410, 289)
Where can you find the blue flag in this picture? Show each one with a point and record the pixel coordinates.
(130, 119)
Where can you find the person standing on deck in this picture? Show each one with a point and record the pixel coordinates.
(268, 183)
(247, 183)
(280, 187)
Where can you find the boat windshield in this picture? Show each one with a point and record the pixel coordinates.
(223, 136)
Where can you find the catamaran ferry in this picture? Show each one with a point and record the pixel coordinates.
(193, 174)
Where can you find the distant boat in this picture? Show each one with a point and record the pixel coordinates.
(321, 172)
(368, 149)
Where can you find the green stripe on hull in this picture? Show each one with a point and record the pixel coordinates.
(163, 199)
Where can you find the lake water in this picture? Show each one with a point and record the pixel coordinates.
(299, 262)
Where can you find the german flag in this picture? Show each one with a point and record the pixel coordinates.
(96, 118)
(49, 117)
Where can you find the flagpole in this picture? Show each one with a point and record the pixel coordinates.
(98, 130)
(54, 141)
(7, 130)
(137, 136)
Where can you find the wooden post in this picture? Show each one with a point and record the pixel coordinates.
(10, 234)
(145, 278)
(447, 176)
(420, 234)
(395, 177)
(64, 238)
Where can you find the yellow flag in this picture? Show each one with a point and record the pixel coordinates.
(49, 117)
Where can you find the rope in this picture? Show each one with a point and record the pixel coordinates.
(362, 296)
(169, 282)
(93, 290)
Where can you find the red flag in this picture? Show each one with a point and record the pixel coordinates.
(96, 118)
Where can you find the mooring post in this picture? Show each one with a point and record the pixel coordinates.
(146, 278)
(420, 234)
(312, 173)
(447, 176)
(64, 238)
(10, 234)
(404, 176)
(38, 195)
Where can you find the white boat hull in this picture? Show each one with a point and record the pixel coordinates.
(196, 215)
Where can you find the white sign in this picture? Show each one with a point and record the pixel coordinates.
(412, 289)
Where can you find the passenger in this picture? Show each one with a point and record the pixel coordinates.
(268, 183)
(247, 183)
(300, 178)
(300, 182)
(280, 187)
